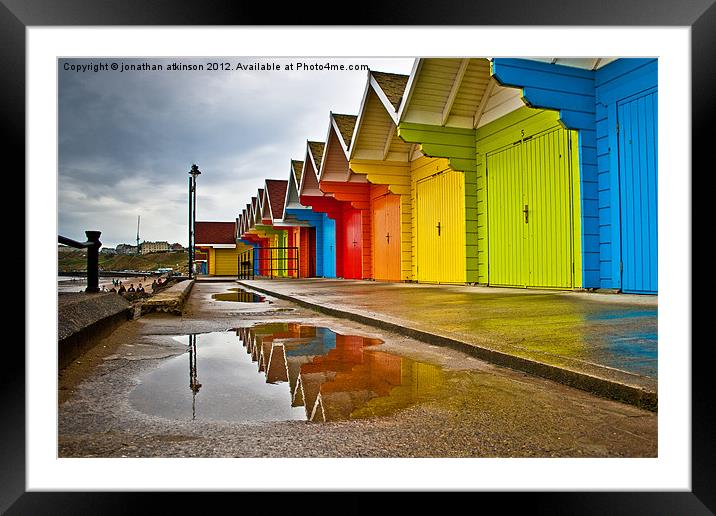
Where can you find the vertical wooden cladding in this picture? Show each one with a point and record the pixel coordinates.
(352, 231)
(394, 178)
(322, 241)
(304, 238)
(529, 189)
(452, 149)
(386, 234)
(614, 212)
(440, 226)
(505, 227)
(627, 149)
(637, 137)
(529, 181)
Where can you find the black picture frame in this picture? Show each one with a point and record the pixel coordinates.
(17, 15)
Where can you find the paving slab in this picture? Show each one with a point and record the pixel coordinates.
(603, 343)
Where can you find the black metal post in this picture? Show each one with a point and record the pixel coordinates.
(191, 228)
(193, 222)
(93, 245)
(192, 216)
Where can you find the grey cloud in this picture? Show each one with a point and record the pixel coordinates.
(127, 140)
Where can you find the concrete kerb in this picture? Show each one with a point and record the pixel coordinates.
(604, 387)
(170, 300)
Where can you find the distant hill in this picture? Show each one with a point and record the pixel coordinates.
(77, 261)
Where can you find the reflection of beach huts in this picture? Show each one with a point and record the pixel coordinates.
(337, 376)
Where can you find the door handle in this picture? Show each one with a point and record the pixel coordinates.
(354, 243)
(526, 211)
(388, 237)
(438, 226)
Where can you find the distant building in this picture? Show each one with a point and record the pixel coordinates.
(61, 248)
(126, 249)
(154, 247)
(217, 252)
(176, 247)
(108, 250)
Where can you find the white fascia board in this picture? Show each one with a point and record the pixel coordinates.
(291, 181)
(410, 87)
(384, 100)
(267, 201)
(325, 147)
(359, 121)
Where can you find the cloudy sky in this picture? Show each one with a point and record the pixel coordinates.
(128, 139)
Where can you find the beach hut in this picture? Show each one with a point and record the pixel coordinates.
(249, 239)
(259, 238)
(612, 103)
(376, 152)
(314, 233)
(217, 240)
(274, 193)
(509, 185)
(335, 179)
(269, 256)
(347, 220)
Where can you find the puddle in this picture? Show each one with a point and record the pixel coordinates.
(239, 295)
(284, 371)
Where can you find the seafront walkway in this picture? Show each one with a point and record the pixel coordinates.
(602, 343)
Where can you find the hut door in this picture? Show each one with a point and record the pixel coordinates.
(386, 237)
(530, 224)
(441, 228)
(327, 248)
(505, 219)
(307, 251)
(637, 137)
(353, 244)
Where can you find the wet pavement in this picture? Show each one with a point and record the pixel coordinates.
(605, 336)
(340, 389)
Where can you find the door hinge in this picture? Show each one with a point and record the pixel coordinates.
(621, 266)
(617, 127)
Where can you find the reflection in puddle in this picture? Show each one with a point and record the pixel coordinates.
(304, 372)
(239, 295)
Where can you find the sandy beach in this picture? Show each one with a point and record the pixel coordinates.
(79, 283)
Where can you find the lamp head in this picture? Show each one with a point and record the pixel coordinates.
(194, 170)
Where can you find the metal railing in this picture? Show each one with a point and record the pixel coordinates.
(92, 245)
(252, 259)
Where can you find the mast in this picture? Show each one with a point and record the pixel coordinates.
(138, 217)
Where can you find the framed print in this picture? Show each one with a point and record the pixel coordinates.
(327, 208)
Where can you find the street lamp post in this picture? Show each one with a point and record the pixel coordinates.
(192, 215)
